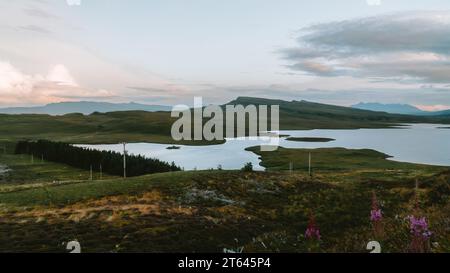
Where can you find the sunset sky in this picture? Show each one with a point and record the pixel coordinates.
(166, 52)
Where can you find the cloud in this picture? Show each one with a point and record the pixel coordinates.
(437, 107)
(35, 28)
(152, 90)
(373, 2)
(59, 74)
(315, 67)
(73, 2)
(39, 13)
(410, 46)
(18, 88)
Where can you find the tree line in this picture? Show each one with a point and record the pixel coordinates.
(110, 162)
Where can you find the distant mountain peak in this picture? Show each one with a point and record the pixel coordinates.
(393, 108)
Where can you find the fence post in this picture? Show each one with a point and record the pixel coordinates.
(124, 160)
(309, 165)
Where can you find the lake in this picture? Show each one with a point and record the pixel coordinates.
(416, 143)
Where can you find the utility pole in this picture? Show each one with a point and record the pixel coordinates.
(124, 160)
(309, 164)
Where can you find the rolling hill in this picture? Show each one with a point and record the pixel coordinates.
(311, 115)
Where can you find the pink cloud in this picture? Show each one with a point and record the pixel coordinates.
(17, 88)
(437, 107)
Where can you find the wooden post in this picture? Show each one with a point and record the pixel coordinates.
(309, 164)
(32, 159)
(290, 167)
(91, 173)
(124, 160)
(416, 193)
(101, 172)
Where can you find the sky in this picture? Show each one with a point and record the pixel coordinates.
(168, 51)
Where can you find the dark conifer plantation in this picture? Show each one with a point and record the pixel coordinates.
(111, 162)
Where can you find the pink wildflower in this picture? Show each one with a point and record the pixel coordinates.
(376, 216)
(312, 231)
(419, 227)
(375, 213)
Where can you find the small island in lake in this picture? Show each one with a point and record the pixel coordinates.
(173, 147)
(310, 139)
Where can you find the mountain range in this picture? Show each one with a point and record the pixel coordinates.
(405, 109)
(83, 107)
(89, 107)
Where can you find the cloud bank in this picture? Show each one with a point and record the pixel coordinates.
(408, 47)
(57, 85)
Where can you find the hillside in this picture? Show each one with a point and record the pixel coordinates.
(112, 127)
(311, 115)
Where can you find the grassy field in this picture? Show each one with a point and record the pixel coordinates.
(41, 171)
(109, 128)
(333, 160)
(211, 210)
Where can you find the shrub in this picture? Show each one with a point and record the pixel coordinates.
(248, 167)
(440, 191)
